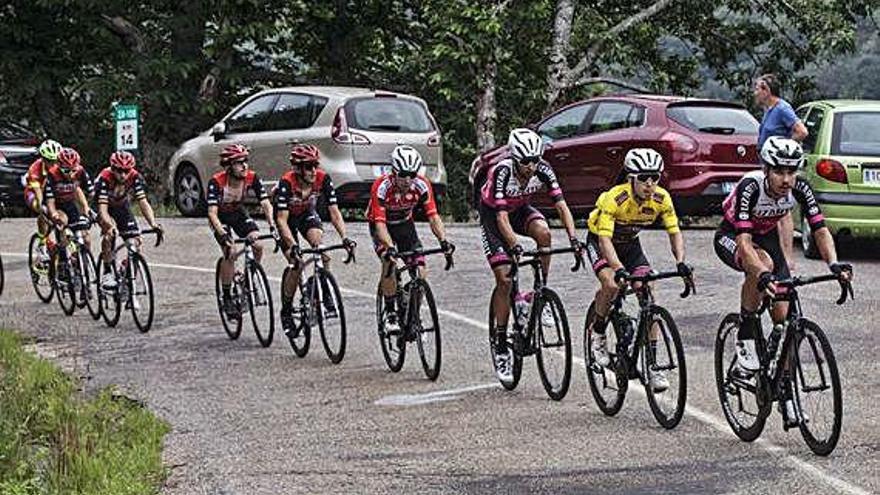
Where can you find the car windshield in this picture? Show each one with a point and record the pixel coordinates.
(856, 133)
(388, 115)
(714, 119)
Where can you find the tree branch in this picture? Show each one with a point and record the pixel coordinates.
(127, 32)
(610, 80)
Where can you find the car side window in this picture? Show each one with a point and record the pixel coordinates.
(295, 111)
(251, 117)
(610, 116)
(813, 123)
(565, 124)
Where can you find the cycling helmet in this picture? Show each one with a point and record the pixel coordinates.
(122, 160)
(525, 144)
(405, 160)
(232, 154)
(779, 152)
(643, 160)
(302, 154)
(68, 159)
(50, 150)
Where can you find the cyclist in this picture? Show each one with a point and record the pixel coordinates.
(68, 189)
(296, 199)
(225, 196)
(748, 241)
(614, 248)
(113, 187)
(505, 211)
(393, 197)
(35, 182)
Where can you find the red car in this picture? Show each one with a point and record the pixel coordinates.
(707, 146)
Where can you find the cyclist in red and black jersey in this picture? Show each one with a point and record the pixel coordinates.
(225, 197)
(68, 187)
(390, 213)
(296, 199)
(34, 185)
(113, 187)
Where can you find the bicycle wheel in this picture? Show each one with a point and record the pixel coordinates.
(331, 316)
(259, 300)
(64, 287)
(140, 292)
(2, 276)
(553, 344)
(392, 342)
(745, 406)
(816, 388)
(40, 277)
(667, 405)
(232, 327)
(426, 327)
(90, 282)
(608, 384)
(301, 317)
(108, 298)
(516, 365)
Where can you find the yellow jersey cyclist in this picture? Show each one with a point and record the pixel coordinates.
(34, 188)
(613, 245)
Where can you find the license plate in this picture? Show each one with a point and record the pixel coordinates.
(726, 187)
(871, 176)
(380, 170)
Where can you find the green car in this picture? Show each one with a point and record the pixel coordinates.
(843, 167)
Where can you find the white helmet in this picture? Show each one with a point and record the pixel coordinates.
(405, 160)
(642, 160)
(779, 152)
(525, 144)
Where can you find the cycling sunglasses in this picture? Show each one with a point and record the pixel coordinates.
(530, 162)
(117, 170)
(406, 175)
(646, 176)
(308, 167)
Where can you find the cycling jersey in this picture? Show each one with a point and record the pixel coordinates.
(227, 197)
(62, 187)
(621, 216)
(115, 192)
(390, 205)
(289, 194)
(750, 208)
(36, 175)
(503, 190)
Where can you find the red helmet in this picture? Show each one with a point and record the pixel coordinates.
(302, 154)
(68, 158)
(122, 160)
(232, 154)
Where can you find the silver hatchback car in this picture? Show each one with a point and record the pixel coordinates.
(356, 129)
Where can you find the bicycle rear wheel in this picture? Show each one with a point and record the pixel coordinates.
(90, 282)
(331, 316)
(392, 342)
(259, 299)
(553, 344)
(232, 327)
(745, 405)
(426, 326)
(140, 292)
(668, 404)
(516, 359)
(64, 287)
(40, 276)
(816, 388)
(608, 384)
(108, 299)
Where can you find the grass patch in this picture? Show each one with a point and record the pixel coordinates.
(55, 440)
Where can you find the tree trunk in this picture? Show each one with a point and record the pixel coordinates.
(486, 111)
(559, 48)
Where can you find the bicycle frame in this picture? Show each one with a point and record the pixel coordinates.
(412, 269)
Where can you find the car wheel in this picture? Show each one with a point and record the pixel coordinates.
(807, 242)
(189, 194)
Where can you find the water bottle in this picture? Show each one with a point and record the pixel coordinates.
(521, 303)
(773, 348)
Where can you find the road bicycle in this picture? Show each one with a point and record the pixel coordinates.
(133, 287)
(73, 272)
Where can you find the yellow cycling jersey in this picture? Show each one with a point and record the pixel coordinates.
(620, 216)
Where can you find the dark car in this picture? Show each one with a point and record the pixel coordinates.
(18, 149)
(707, 146)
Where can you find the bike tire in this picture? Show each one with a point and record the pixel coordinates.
(64, 290)
(813, 335)
(334, 347)
(300, 343)
(43, 283)
(674, 361)
(90, 283)
(2, 276)
(427, 339)
(141, 274)
(516, 370)
(232, 328)
(604, 380)
(259, 297)
(729, 388)
(393, 345)
(551, 342)
(108, 299)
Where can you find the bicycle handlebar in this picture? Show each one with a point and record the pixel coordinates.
(537, 253)
(160, 235)
(298, 252)
(846, 290)
(689, 286)
(450, 262)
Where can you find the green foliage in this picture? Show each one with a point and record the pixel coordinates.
(52, 440)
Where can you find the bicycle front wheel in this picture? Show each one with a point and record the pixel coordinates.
(64, 286)
(816, 387)
(392, 341)
(89, 292)
(259, 299)
(108, 298)
(666, 377)
(426, 327)
(607, 386)
(231, 326)
(331, 316)
(302, 333)
(744, 404)
(508, 381)
(2, 276)
(553, 343)
(39, 270)
(140, 292)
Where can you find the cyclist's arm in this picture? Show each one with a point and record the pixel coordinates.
(147, 210)
(437, 227)
(670, 223)
(502, 219)
(337, 220)
(104, 215)
(214, 219)
(785, 227)
(382, 234)
(430, 207)
(265, 204)
(82, 201)
(609, 253)
(676, 240)
(282, 205)
(825, 243)
(750, 261)
(566, 217)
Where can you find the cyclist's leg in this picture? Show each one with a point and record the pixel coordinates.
(388, 284)
(770, 244)
(499, 262)
(227, 266)
(529, 221)
(291, 282)
(607, 287)
(245, 226)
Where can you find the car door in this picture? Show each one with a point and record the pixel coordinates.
(288, 124)
(245, 124)
(560, 131)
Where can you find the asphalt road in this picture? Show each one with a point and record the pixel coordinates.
(248, 420)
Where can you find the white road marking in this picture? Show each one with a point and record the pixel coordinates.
(443, 395)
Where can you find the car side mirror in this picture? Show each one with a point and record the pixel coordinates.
(219, 131)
